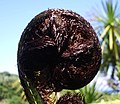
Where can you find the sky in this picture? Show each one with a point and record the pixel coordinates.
(16, 14)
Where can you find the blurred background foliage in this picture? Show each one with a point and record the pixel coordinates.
(8, 93)
(108, 28)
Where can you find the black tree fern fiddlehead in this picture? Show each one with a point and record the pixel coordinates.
(58, 50)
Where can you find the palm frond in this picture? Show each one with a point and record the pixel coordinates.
(105, 31)
(110, 34)
(117, 35)
(111, 40)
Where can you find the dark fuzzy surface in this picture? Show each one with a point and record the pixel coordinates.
(63, 46)
(71, 99)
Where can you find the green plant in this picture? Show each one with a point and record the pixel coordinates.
(18, 89)
(118, 69)
(15, 100)
(90, 93)
(8, 94)
(109, 26)
(6, 91)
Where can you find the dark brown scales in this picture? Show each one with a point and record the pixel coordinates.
(63, 46)
(71, 99)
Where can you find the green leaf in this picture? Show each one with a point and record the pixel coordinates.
(22, 95)
(117, 35)
(105, 31)
(116, 51)
(110, 39)
(100, 19)
(103, 44)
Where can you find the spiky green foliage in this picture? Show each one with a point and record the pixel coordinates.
(118, 69)
(109, 27)
(90, 93)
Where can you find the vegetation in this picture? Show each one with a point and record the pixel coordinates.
(88, 92)
(8, 93)
(109, 30)
(18, 89)
(118, 69)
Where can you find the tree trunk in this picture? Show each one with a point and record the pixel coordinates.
(113, 71)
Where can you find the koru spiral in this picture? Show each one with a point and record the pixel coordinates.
(59, 50)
